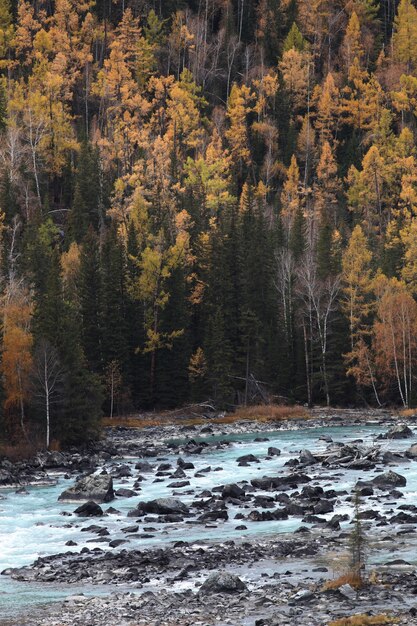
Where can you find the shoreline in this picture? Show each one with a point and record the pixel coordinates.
(273, 573)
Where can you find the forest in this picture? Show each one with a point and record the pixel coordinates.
(196, 192)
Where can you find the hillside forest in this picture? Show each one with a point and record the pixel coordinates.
(198, 192)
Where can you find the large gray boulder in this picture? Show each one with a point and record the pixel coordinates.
(232, 491)
(95, 488)
(411, 453)
(306, 458)
(389, 480)
(279, 482)
(160, 506)
(89, 509)
(222, 582)
(400, 431)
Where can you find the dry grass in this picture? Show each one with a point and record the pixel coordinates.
(350, 578)
(364, 620)
(186, 417)
(18, 452)
(268, 412)
(408, 412)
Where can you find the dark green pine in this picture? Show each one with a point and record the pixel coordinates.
(90, 294)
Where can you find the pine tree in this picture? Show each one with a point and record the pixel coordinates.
(91, 299)
(88, 202)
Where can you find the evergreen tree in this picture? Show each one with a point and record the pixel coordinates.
(91, 301)
(88, 202)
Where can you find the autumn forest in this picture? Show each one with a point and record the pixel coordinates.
(196, 193)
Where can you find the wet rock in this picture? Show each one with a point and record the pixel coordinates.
(95, 488)
(272, 451)
(323, 506)
(391, 457)
(388, 480)
(302, 596)
(117, 542)
(179, 484)
(279, 482)
(144, 466)
(306, 458)
(247, 458)
(211, 516)
(160, 506)
(312, 493)
(125, 493)
(411, 453)
(295, 509)
(185, 465)
(89, 509)
(123, 471)
(232, 491)
(400, 431)
(222, 582)
(130, 529)
(179, 473)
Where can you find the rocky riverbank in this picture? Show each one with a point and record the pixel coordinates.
(261, 579)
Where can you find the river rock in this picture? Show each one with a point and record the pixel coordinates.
(211, 516)
(89, 509)
(323, 506)
(388, 480)
(125, 493)
(143, 466)
(401, 431)
(247, 458)
(272, 451)
(95, 488)
(232, 491)
(279, 482)
(306, 458)
(179, 484)
(160, 506)
(222, 582)
(411, 453)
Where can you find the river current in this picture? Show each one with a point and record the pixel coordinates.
(35, 524)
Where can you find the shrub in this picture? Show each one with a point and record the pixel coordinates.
(364, 620)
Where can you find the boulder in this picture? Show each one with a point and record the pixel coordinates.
(400, 431)
(95, 488)
(232, 491)
(306, 458)
(247, 458)
(160, 506)
(312, 493)
(125, 493)
(144, 466)
(411, 453)
(388, 480)
(272, 451)
(323, 506)
(89, 509)
(222, 582)
(279, 482)
(123, 471)
(214, 515)
(179, 484)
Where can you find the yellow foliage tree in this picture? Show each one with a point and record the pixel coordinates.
(16, 363)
